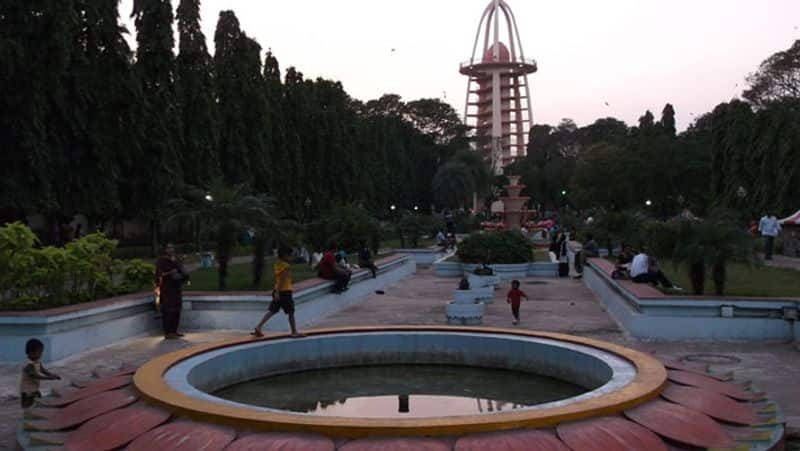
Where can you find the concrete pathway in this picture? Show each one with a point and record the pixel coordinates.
(558, 305)
(782, 261)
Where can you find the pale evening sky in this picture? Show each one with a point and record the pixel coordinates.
(633, 54)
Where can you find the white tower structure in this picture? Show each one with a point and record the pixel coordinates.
(498, 102)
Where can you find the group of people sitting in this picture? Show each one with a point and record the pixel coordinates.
(640, 268)
(333, 265)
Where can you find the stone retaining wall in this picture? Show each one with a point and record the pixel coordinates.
(70, 330)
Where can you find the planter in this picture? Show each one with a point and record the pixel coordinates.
(464, 314)
(472, 295)
(476, 281)
(423, 256)
(543, 269)
(511, 271)
(447, 269)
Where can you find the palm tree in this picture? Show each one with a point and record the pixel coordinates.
(224, 211)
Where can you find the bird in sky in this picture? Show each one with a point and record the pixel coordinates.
(393, 49)
(607, 104)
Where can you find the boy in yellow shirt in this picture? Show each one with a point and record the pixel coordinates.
(282, 293)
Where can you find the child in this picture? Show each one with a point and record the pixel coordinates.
(32, 373)
(282, 293)
(514, 297)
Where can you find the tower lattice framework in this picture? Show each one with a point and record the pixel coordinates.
(498, 105)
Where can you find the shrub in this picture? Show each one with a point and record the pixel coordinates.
(495, 247)
(83, 270)
(661, 238)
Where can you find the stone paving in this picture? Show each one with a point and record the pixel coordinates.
(558, 305)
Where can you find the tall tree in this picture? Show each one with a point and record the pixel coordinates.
(244, 139)
(196, 95)
(667, 122)
(157, 173)
(40, 103)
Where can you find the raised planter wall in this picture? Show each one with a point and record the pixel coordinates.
(423, 256)
(448, 269)
(684, 318)
(511, 271)
(532, 269)
(70, 330)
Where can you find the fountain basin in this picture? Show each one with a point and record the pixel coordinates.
(615, 378)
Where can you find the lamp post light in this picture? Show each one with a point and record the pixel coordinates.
(209, 198)
(416, 207)
(648, 202)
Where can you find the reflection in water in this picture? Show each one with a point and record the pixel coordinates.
(401, 391)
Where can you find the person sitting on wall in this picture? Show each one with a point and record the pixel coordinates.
(451, 241)
(483, 270)
(329, 270)
(644, 269)
(441, 240)
(622, 268)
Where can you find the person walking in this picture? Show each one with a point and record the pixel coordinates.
(514, 298)
(281, 294)
(169, 279)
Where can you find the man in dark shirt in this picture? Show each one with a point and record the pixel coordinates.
(169, 278)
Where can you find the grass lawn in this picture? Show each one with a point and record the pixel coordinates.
(763, 281)
(240, 277)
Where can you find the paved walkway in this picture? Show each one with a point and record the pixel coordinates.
(782, 261)
(557, 305)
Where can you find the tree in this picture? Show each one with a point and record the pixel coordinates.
(155, 175)
(667, 122)
(438, 120)
(453, 185)
(243, 146)
(777, 78)
(478, 168)
(224, 212)
(41, 104)
(196, 95)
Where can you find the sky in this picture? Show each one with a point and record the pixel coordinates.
(633, 55)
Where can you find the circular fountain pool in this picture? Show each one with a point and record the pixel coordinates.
(401, 391)
(401, 381)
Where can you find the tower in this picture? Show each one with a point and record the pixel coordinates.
(498, 102)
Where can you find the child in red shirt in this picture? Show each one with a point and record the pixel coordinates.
(514, 298)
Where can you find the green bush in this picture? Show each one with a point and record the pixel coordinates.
(661, 238)
(83, 270)
(466, 223)
(495, 247)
